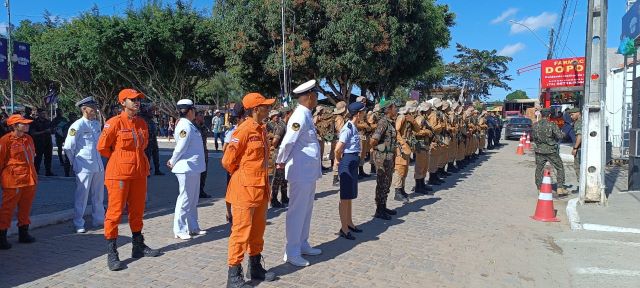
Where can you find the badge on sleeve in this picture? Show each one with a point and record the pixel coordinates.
(295, 126)
(72, 132)
(183, 134)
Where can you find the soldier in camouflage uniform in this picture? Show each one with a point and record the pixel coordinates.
(576, 116)
(405, 126)
(438, 142)
(339, 112)
(279, 182)
(372, 119)
(546, 136)
(271, 124)
(323, 121)
(385, 142)
(200, 124)
(423, 137)
(365, 130)
(462, 137)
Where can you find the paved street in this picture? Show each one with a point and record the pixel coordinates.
(475, 232)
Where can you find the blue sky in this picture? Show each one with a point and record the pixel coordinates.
(479, 24)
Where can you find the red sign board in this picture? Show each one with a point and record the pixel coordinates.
(567, 72)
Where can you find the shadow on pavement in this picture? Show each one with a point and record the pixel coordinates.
(372, 229)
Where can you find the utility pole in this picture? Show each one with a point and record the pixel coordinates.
(10, 54)
(550, 46)
(284, 58)
(593, 143)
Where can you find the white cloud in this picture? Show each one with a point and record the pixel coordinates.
(544, 20)
(506, 14)
(511, 49)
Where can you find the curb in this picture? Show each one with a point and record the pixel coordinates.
(42, 220)
(572, 214)
(574, 220)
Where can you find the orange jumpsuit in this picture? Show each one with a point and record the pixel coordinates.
(248, 190)
(19, 178)
(123, 141)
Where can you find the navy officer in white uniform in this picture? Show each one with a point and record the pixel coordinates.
(187, 162)
(299, 155)
(80, 148)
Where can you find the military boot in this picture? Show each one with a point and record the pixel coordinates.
(4, 244)
(401, 196)
(336, 181)
(361, 172)
(562, 192)
(428, 190)
(23, 235)
(274, 198)
(139, 249)
(255, 270)
(373, 169)
(235, 278)
(381, 213)
(434, 180)
(113, 261)
(283, 191)
(420, 187)
(388, 211)
(451, 168)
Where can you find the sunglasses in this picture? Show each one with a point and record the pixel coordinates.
(135, 99)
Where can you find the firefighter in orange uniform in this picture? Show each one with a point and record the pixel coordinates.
(246, 159)
(19, 179)
(123, 140)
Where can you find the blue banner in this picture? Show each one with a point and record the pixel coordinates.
(630, 25)
(22, 64)
(4, 64)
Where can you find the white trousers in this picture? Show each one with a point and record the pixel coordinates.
(301, 197)
(185, 218)
(89, 183)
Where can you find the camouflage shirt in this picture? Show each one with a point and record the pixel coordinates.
(546, 135)
(577, 127)
(385, 133)
(278, 132)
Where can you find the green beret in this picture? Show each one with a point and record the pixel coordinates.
(573, 110)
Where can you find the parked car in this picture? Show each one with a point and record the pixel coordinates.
(516, 127)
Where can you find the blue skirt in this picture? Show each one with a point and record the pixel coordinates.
(348, 171)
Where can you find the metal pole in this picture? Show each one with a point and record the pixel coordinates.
(284, 58)
(593, 143)
(10, 54)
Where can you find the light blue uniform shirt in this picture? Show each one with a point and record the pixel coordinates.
(350, 137)
(227, 135)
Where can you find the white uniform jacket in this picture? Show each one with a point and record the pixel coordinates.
(188, 156)
(80, 146)
(300, 150)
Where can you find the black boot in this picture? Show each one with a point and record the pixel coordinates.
(336, 181)
(451, 168)
(434, 180)
(23, 235)
(373, 169)
(274, 197)
(428, 190)
(419, 187)
(381, 214)
(257, 272)
(113, 261)
(388, 211)
(283, 192)
(4, 244)
(139, 249)
(235, 278)
(361, 172)
(443, 172)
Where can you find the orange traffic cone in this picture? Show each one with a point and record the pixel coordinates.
(527, 143)
(520, 150)
(544, 209)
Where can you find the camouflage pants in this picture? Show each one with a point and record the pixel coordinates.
(556, 162)
(279, 183)
(384, 174)
(576, 164)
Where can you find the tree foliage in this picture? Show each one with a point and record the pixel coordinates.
(518, 94)
(478, 71)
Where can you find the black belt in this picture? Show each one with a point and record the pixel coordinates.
(354, 153)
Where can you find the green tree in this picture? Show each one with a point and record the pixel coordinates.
(478, 71)
(518, 94)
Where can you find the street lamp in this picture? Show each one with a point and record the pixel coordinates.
(532, 32)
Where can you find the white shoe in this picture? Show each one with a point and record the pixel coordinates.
(311, 251)
(199, 232)
(182, 236)
(81, 230)
(296, 261)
